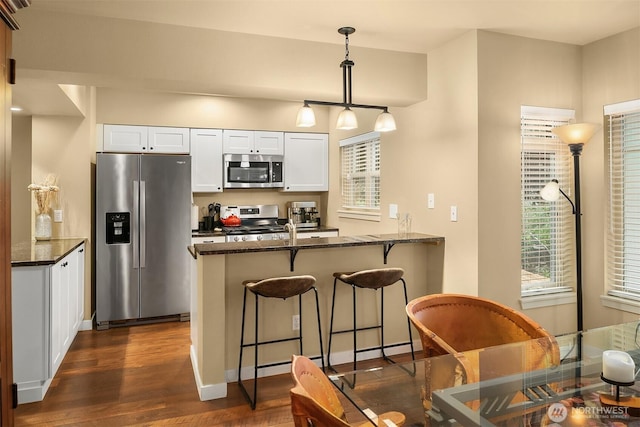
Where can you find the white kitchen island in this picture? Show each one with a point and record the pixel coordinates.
(217, 296)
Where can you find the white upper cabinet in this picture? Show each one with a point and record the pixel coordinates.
(252, 142)
(169, 140)
(145, 139)
(269, 143)
(306, 162)
(206, 160)
(125, 139)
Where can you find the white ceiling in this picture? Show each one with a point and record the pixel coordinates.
(403, 25)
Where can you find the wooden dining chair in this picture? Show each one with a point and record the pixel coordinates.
(314, 401)
(467, 327)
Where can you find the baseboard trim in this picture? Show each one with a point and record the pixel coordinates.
(206, 391)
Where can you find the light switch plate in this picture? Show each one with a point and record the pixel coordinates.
(57, 215)
(393, 211)
(454, 213)
(431, 201)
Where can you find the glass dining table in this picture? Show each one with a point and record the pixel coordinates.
(496, 386)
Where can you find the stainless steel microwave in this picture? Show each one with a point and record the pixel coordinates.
(253, 171)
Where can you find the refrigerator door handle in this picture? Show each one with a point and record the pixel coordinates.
(143, 224)
(135, 220)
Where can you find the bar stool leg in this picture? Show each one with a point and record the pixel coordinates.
(300, 322)
(255, 365)
(406, 302)
(252, 402)
(355, 352)
(384, 356)
(319, 327)
(333, 304)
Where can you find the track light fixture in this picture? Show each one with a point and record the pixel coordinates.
(347, 118)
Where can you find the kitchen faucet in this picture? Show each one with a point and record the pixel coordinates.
(291, 228)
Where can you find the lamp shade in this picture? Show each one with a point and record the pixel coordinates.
(578, 133)
(306, 117)
(551, 191)
(347, 120)
(385, 122)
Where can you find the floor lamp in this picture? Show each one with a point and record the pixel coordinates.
(575, 135)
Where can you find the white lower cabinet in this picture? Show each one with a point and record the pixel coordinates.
(47, 310)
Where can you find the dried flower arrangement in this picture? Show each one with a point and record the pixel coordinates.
(44, 192)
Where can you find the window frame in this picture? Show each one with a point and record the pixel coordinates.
(622, 163)
(544, 157)
(365, 158)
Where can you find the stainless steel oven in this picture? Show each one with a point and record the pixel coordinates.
(253, 171)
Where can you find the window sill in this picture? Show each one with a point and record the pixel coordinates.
(619, 303)
(361, 215)
(548, 300)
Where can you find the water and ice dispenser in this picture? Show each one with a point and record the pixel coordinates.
(118, 227)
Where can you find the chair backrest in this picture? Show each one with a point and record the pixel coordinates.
(313, 398)
(450, 323)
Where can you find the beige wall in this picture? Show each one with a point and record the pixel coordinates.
(64, 146)
(515, 71)
(20, 179)
(611, 74)
(135, 54)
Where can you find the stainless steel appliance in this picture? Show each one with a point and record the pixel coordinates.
(304, 214)
(143, 209)
(253, 171)
(258, 222)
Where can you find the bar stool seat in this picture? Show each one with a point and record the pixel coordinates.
(369, 279)
(275, 287)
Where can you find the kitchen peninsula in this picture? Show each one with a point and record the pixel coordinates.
(217, 296)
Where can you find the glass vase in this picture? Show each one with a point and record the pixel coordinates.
(43, 226)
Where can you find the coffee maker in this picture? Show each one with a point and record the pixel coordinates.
(304, 214)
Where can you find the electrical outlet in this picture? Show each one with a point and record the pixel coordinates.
(393, 211)
(454, 213)
(431, 201)
(295, 321)
(57, 215)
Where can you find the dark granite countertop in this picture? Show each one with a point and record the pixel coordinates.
(222, 234)
(43, 252)
(313, 243)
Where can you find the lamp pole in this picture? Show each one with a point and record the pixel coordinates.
(576, 150)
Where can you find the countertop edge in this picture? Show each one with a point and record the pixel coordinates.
(69, 245)
(313, 243)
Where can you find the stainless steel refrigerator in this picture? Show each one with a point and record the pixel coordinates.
(143, 229)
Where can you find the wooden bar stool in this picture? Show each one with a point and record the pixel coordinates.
(369, 279)
(276, 287)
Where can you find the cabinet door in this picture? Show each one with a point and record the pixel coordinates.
(125, 139)
(306, 162)
(238, 141)
(30, 308)
(206, 160)
(169, 140)
(80, 307)
(269, 143)
(57, 333)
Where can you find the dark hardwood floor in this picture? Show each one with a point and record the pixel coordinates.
(140, 376)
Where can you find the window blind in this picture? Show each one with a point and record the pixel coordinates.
(546, 249)
(622, 131)
(360, 171)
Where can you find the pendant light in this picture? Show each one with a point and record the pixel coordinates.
(347, 119)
